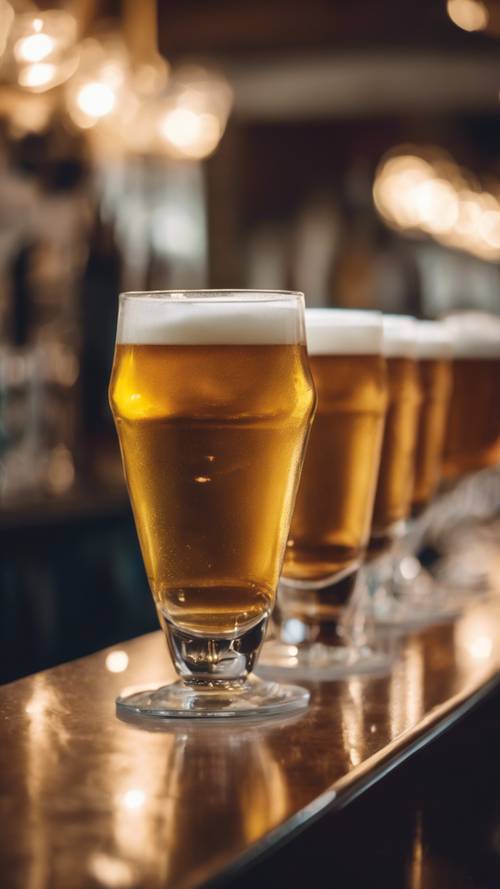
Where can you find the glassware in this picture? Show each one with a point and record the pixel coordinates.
(212, 399)
(405, 595)
(457, 526)
(331, 520)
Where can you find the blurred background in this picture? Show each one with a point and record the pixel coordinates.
(350, 150)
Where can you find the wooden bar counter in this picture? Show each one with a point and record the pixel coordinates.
(87, 800)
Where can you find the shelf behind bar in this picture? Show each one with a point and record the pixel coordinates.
(88, 800)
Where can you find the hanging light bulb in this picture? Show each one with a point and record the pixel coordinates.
(43, 49)
(37, 76)
(99, 86)
(195, 114)
(34, 47)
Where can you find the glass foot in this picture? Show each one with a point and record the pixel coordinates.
(252, 698)
(322, 662)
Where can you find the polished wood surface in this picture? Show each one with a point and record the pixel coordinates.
(87, 800)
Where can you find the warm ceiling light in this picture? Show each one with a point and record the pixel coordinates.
(36, 76)
(470, 15)
(34, 48)
(195, 135)
(96, 100)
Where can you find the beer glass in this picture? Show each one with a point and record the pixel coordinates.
(212, 399)
(331, 521)
(456, 525)
(397, 466)
(473, 429)
(413, 598)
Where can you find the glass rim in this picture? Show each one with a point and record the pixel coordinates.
(214, 295)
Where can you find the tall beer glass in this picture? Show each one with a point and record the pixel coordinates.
(457, 522)
(213, 400)
(413, 598)
(397, 465)
(331, 520)
(472, 440)
(434, 353)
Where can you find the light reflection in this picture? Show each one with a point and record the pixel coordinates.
(117, 661)
(353, 720)
(476, 638)
(406, 691)
(155, 778)
(46, 740)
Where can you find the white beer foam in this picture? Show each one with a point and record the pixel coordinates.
(343, 332)
(400, 336)
(474, 334)
(434, 340)
(221, 319)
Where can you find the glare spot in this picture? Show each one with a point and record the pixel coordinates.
(34, 48)
(37, 75)
(409, 568)
(133, 799)
(117, 661)
(480, 648)
(96, 99)
(202, 479)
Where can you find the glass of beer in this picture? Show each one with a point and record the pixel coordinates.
(397, 466)
(331, 521)
(414, 598)
(434, 354)
(472, 440)
(458, 522)
(213, 400)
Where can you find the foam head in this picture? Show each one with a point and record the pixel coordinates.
(210, 318)
(343, 332)
(400, 336)
(434, 340)
(474, 334)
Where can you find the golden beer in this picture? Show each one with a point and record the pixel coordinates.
(435, 383)
(331, 520)
(212, 435)
(397, 464)
(472, 439)
(434, 367)
(473, 429)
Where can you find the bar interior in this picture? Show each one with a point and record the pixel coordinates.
(249, 444)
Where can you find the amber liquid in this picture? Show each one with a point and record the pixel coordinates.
(332, 515)
(435, 383)
(212, 440)
(472, 439)
(397, 465)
